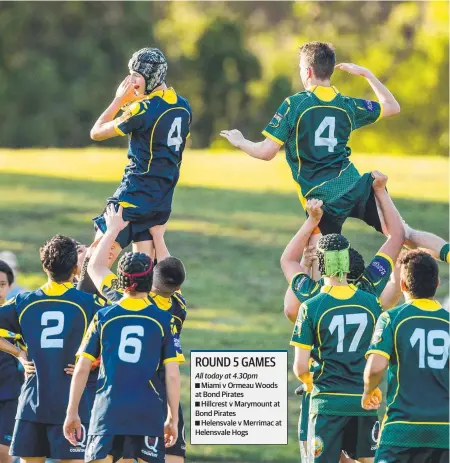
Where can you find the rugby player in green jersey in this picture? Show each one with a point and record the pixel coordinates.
(315, 127)
(413, 341)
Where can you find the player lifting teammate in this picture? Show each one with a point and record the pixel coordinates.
(339, 323)
(157, 121)
(168, 276)
(315, 126)
(52, 322)
(133, 337)
(413, 341)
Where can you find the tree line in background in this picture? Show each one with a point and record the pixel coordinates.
(61, 63)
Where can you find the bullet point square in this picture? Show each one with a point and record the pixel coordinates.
(197, 404)
(197, 385)
(197, 423)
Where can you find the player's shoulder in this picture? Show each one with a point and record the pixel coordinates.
(418, 308)
(179, 300)
(299, 99)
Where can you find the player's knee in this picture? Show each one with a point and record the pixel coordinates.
(174, 459)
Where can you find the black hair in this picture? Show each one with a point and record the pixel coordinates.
(135, 272)
(169, 275)
(331, 242)
(59, 257)
(357, 265)
(420, 273)
(5, 268)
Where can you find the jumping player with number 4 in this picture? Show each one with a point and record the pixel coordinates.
(315, 127)
(52, 321)
(156, 120)
(413, 341)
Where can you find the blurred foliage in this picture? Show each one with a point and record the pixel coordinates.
(234, 61)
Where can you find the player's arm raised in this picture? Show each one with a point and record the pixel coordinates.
(265, 150)
(158, 241)
(105, 127)
(98, 267)
(393, 222)
(290, 259)
(389, 104)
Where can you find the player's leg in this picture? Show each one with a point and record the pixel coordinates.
(30, 442)
(325, 437)
(365, 437)
(8, 409)
(145, 247)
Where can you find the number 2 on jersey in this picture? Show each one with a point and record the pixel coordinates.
(130, 346)
(441, 349)
(174, 137)
(339, 322)
(46, 341)
(329, 141)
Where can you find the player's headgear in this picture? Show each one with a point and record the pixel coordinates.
(357, 265)
(135, 272)
(151, 64)
(333, 255)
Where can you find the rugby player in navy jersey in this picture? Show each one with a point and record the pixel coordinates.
(133, 338)
(156, 120)
(168, 276)
(11, 378)
(52, 321)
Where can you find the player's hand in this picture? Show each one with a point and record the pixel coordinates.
(309, 256)
(380, 181)
(353, 69)
(314, 209)
(113, 218)
(371, 401)
(69, 369)
(233, 136)
(158, 230)
(28, 365)
(170, 433)
(126, 91)
(72, 429)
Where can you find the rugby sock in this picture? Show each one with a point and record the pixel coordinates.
(444, 254)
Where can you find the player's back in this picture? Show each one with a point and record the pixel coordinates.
(418, 392)
(52, 322)
(134, 338)
(342, 319)
(316, 125)
(158, 126)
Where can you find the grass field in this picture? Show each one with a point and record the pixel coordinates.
(232, 218)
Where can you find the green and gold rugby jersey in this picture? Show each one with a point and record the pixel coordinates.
(339, 322)
(373, 280)
(315, 126)
(415, 338)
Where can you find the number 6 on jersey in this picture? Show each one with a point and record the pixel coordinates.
(130, 346)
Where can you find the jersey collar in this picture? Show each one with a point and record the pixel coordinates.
(324, 93)
(426, 304)
(52, 288)
(340, 292)
(163, 303)
(169, 95)
(128, 303)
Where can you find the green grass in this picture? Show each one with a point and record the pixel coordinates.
(230, 240)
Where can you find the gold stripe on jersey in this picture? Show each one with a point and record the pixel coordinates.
(177, 295)
(388, 258)
(324, 93)
(302, 346)
(318, 329)
(272, 137)
(136, 305)
(57, 300)
(426, 304)
(396, 348)
(379, 352)
(170, 360)
(88, 356)
(326, 181)
(153, 132)
(52, 288)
